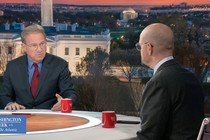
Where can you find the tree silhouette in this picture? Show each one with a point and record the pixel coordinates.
(95, 63)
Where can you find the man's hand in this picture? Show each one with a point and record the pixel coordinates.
(14, 106)
(57, 106)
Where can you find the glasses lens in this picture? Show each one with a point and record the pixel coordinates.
(42, 45)
(138, 47)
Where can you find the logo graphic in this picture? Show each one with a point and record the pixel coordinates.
(12, 124)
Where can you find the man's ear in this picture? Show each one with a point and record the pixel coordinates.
(149, 49)
(23, 47)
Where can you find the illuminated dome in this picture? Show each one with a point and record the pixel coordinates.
(129, 10)
(129, 14)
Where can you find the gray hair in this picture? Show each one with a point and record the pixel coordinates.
(35, 28)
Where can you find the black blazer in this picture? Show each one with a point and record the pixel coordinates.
(172, 106)
(55, 77)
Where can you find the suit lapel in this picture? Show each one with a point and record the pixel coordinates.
(24, 70)
(43, 74)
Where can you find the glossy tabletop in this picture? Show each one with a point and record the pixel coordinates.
(90, 127)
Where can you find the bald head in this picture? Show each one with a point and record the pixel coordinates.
(158, 34)
(159, 39)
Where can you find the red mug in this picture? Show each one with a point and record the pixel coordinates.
(66, 105)
(108, 119)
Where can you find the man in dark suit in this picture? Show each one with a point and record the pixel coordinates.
(172, 106)
(53, 76)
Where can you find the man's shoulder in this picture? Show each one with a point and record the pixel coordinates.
(55, 59)
(18, 60)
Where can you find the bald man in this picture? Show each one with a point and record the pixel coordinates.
(172, 103)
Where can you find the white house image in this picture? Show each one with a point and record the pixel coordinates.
(68, 43)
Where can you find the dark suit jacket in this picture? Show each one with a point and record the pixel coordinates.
(172, 106)
(55, 77)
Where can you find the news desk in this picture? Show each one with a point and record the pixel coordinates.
(89, 129)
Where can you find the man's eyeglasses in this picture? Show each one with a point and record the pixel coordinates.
(138, 46)
(42, 45)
